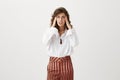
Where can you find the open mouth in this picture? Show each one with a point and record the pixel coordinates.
(60, 23)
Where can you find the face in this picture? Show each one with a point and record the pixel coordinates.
(61, 19)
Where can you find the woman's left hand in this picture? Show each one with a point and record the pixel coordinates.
(67, 23)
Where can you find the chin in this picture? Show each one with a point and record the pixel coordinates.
(60, 25)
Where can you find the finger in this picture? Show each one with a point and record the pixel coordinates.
(54, 22)
(54, 18)
(66, 20)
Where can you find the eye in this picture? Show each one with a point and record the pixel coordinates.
(58, 16)
(63, 16)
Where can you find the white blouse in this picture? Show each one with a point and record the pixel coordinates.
(51, 39)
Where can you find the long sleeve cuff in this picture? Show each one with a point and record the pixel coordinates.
(53, 30)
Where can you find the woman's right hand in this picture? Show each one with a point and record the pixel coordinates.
(54, 22)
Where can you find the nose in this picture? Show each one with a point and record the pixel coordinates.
(60, 18)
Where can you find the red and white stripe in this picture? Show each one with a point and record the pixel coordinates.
(60, 68)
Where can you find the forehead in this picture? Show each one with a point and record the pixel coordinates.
(61, 14)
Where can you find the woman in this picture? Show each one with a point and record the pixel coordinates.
(60, 40)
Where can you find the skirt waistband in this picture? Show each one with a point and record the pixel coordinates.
(60, 58)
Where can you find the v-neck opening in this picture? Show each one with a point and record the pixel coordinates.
(63, 34)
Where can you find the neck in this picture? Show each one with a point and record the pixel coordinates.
(61, 29)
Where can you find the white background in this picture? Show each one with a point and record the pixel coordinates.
(23, 22)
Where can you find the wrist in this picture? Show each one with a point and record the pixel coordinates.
(70, 28)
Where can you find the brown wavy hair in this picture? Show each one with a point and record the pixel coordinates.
(58, 11)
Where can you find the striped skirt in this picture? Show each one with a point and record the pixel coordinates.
(60, 68)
